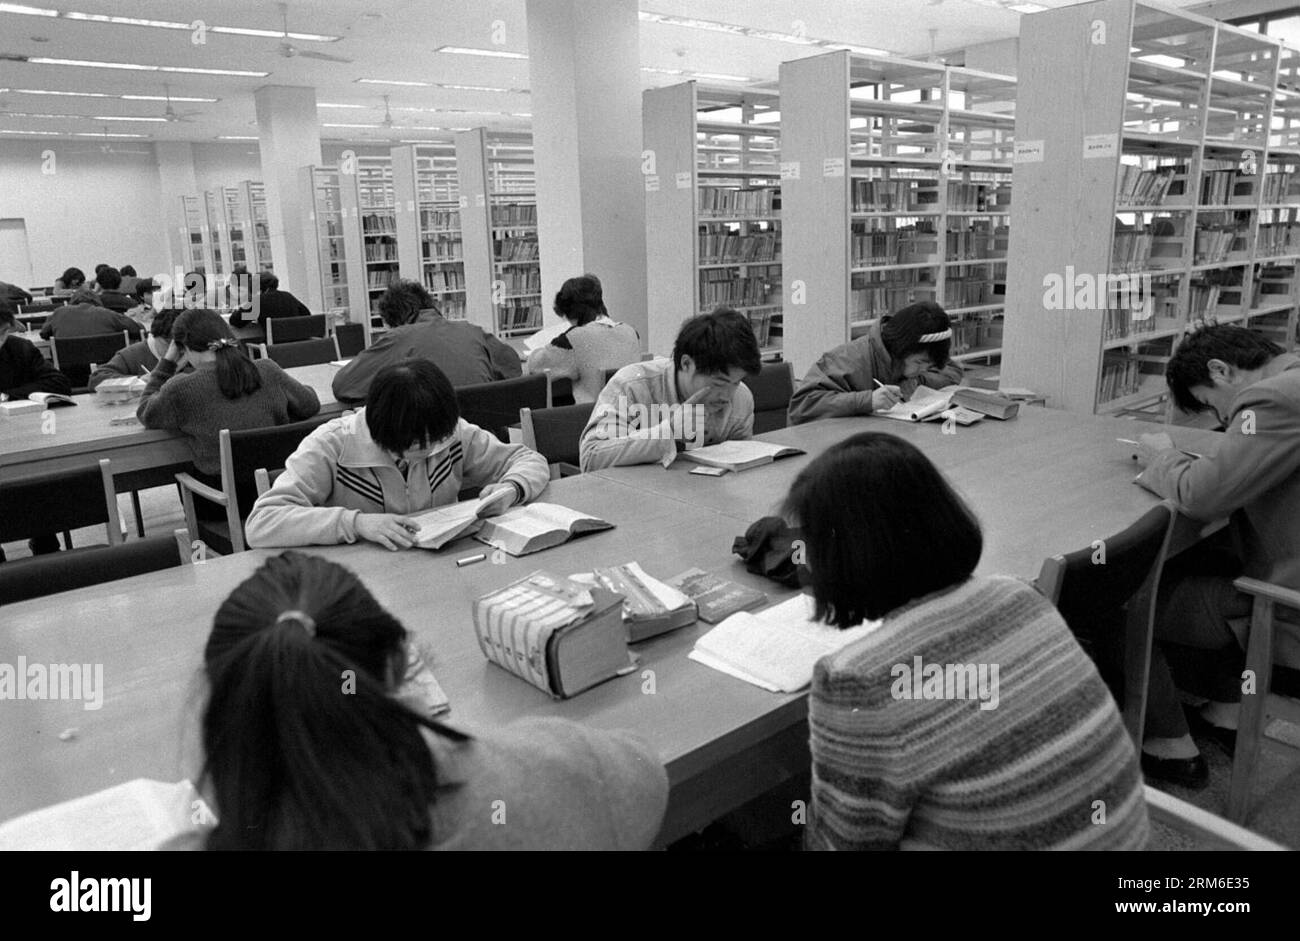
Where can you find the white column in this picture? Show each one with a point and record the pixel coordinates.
(176, 178)
(584, 75)
(289, 137)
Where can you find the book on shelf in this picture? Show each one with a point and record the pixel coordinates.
(533, 527)
(378, 224)
(515, 249)
(739, 455)
(650, 607)
(726, 201)
(558, 635)
(1139, 187)
(775, 649)
(140, 814)
(443, 524)
(505, 215)
(716, 598)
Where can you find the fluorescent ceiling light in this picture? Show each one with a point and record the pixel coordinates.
(493, 53)
(24, 10)
(324, 104)
(393, 81)
(35, 133)
(860, 50)
(161, 98)
(137, 67)
(1026, 7)
(234, 137)
(100, 94)
(78, 117)
(103, 134)
(751, 32)
(713, 76)
(122, 117)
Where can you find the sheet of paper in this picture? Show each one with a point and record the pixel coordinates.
(736, 452)
(923, 403)
(545, 335)
(137, 815)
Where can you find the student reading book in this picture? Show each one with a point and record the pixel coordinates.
(362, 476)
(945, 727)
(536, 527)
(870, 374)
(591, 343)
(293, 765)
(739, 455)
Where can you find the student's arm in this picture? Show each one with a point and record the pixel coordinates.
(38, 374)
(740, 423)
(352, 382)
(488, 461)
(608, 441)
(505, 361)
(1260, 449)
(47, 329)
(950, 375)
(838, 384)
(157, 409)
(303, 402)
(290, 513)
(861, 793)
(559, 362)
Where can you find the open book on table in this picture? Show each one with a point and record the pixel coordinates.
(775, 649)
(442, 524)
(739, 455)
(537, 526)
(926, 404)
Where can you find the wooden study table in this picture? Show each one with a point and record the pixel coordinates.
(1050, 487)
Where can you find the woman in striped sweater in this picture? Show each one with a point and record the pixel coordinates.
(969, 718)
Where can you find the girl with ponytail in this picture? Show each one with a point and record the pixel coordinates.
(225, 390)
(307, 748)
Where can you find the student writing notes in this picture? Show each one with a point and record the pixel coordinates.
(1253, 386)
(360, 476)
(970, 718)
(294, 765)
(874, 372)
(648, 409)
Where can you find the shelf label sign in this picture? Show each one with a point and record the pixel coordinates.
(410, 205)
(684, 180)
(1100, 145)
(789, 169)
(1028, 151)
(480, 199)
(464, 202)
(652, 182)
(832, 167)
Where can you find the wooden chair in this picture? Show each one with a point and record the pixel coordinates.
(242, 454)
(1265, 633)
(1207, 830)
(61, 501)
(74, 356)
(302, 352)
(772, 388)
(555, 434)
(1094, 595)
(294, 329)
(351, 339)
(63, 571)
(494, 406)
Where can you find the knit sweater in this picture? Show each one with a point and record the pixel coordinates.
(584, 353)
(892, 770)
(193, 404)
(841, 382)
(23, 370)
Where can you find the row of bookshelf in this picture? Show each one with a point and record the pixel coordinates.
(381, 278)
(519, 280)
(515, 315)
(731, 202)
(381, 251)
(732, 248)
(442, 280)
(505, 215)
(873, 294)
(379, 223)
(922, 245)
(515, 249)
(441, 219)
(1121, 375)
(921, 195)
(445, 249)
(758, 287)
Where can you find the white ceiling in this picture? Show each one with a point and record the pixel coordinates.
(396, 39)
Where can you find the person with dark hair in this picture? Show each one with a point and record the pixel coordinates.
(110, 295)
(85, 316)
(225, 390)
(69, 281)
(647, 410)
(142, 295)
(269, 302)
(465, 353)
(99, 269)
(1253, 386)
(14, 294)
(593, 344)
(129, 280)
(968, 717)
(408, 449)
(292, 765)
(905, 350)
(140, 359)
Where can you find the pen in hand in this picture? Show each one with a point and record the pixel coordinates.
(895, 399)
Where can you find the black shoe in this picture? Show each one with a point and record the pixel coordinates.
(1224, 738)
(1192, 773)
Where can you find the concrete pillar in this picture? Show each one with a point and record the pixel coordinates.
(289, 136)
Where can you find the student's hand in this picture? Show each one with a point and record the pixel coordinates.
(388, 529)
(1150, 445)
(885, 397)
(176, 354)
(500, 503)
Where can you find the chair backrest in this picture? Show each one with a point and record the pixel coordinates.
(60, 501)
(244, 452)
(494, 406)
(78, 353)
(302, 352)
(351, 338)
(293, 329)
(772, 389)
(63, 571)
(555, 432)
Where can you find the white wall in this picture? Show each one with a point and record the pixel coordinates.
(226, 164)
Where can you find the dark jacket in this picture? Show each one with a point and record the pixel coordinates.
(271, 304)
(116, 300)
(13, 292)
(23, 370)
(87, 320)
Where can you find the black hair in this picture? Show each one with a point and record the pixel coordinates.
(411, 401)
(142, 288)
(581, 300)
(402, 302)
(266, 281)
(304, 745)
(164, 322)
(100, 267)
(717, 342)
(73, 277)
(201, 330)
(127, 271)
(8, 312)
(881, 527)
(109, 279)
(1231, 343)
(902, 332)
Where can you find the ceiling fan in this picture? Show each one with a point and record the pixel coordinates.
(172, 115)
(108, 148)
(388, 116)
(290, 51)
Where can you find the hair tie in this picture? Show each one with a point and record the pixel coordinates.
(221, 343)
(936, 337)
(303, 619)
